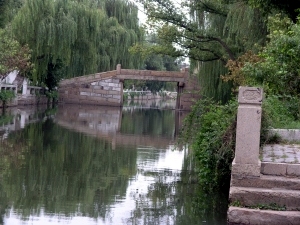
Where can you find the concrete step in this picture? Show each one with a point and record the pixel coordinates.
(243, 216)
(281, 169)
(267, 181)
(252, 197)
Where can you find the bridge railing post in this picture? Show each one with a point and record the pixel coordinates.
(246, 161)
(118, 69)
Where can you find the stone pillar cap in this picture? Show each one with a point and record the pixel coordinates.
(250, 95)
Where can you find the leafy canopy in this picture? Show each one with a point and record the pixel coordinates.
(205, 30)
(13, 56)
(84, 37)
(276, 67)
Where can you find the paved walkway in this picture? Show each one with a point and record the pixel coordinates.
(281, 153)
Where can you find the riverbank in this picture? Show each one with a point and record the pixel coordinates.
(274, 196)
(265, 181)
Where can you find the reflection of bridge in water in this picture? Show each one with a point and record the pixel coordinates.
(99, 121)
(105, 122)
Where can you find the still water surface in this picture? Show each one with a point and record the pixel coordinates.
(99, 165)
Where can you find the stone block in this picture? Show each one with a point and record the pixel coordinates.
(107, 88)
(250, 95)
(96, 94)
(116, 81)
(116, 89)
(108, 96)
(293, 170)
(81, 79)
(73, 96)
(116, 97)
(114, 92)
(286, 134)
(277, 169)
(245, 170)
(100, 91)
(249, 196)
(113, 100)
(85, 93)
(98, 75)
(96, 87)
(237, 215)
(114, 85)
(82, 97)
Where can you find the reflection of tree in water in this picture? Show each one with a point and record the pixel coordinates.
(3, 204)
(65, 172)
(179, 201)
(153, 122)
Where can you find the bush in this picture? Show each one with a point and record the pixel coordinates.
(281, 111)
(6, 96)
(210, 130)
(52, 95)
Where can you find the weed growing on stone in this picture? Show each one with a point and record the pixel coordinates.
(284, 156)
(271, 206)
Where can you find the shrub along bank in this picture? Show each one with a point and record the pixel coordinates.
(210, 128)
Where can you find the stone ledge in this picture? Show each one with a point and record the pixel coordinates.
(243, 216)
(280, 169)
(251, 196)
(287, 134)
(246, 170)
(266, 181)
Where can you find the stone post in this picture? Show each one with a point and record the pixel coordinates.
(118, 69)
(24, 87)
(246, 161)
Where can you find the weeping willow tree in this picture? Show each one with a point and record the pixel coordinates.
(84, 36)
(210, 34)
(8, 8)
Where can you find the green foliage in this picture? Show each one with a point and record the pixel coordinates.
(154, 122)
(279, 70)
(281, 111)
(53, 94)
(154, 61)
(213, 86)
(271, 206)
(6, 96)
(13, 56)
(3, 8)
(8, 9)
(271, 6)
(210, 130)
(58, 167)
(212, 32)
(54, 74)
(5, 119)
(235, 70)
(84, 36)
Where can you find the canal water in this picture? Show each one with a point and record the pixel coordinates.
(100, 165)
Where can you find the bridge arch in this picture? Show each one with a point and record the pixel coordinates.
(106, 88)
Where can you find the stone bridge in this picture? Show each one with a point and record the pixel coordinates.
(106, 88)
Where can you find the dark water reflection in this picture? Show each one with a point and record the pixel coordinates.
(99, 166)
